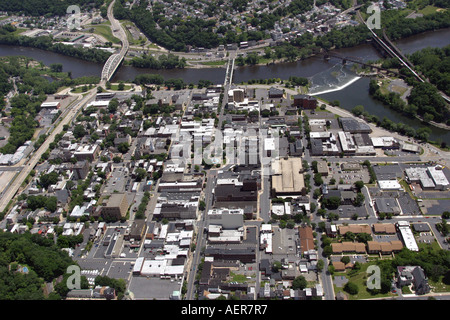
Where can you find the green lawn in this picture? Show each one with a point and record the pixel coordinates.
(238, 277)
(106, 32)
(360, 279)
(115, 87)
(428, 10)
(214, 63)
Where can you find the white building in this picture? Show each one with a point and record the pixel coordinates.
(407, 235)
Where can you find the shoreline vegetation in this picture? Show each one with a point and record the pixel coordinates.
(300, 48)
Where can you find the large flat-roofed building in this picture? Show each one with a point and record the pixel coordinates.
(304, 101)
(430, 178)
(287, 177)
(186, 210)
(87, 152)
(439, 178)
(51, 105)
(227, 218)
(137, 230)
(116, 206)
(387, 206)
(347, 143)
(306, 238)
(407, 236)
(354, 126)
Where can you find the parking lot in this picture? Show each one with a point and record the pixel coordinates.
(283, 242)
(347, 177)
(348, 211)
(153, 287)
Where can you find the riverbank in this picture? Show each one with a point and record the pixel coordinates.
(430, 151)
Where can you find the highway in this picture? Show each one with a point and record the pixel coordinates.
(68, 115)
(70, 112)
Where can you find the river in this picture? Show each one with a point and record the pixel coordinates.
(329, 79)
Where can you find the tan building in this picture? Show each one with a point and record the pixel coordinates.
(116, 206)
(322, 168)
(348, 246)
(287, 177)
(387, 228)
(384, 247)
(355, 228)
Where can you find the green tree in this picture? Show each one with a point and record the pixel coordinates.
(299, 283)
(351, 288)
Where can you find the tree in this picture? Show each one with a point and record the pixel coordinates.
(140, 174)
(332, 202)
(363, 237)
(345, 259)
(299, 283)
(56, 67)
(79, 131)
(113, 105)
(276, 266)
(359, 199)
(358, 110)
(318, 179)
(48, 179)
(320, 264)
(359, 185)
(351, 288)
(123, 147)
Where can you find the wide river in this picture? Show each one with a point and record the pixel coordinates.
(330, 80)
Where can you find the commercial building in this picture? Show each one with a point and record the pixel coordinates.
(304, 101)
(387, 206)
(389, 185)
(306, 239)
(87, 152)
(407, 235)
(354, 126)
(287, 177)
(430, 178)
(227, 218)
(51, 105)
(116, 206)
(439, 178)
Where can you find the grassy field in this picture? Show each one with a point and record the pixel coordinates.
(214, 63)
(105, 31)
(428, 10)
(115, 87)
(360, 279)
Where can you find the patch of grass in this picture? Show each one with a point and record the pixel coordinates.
(238, 277)
(439, 286)
(428, 10)
(106, 32)
(214, 63)
(360, 279)
(115, 87)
